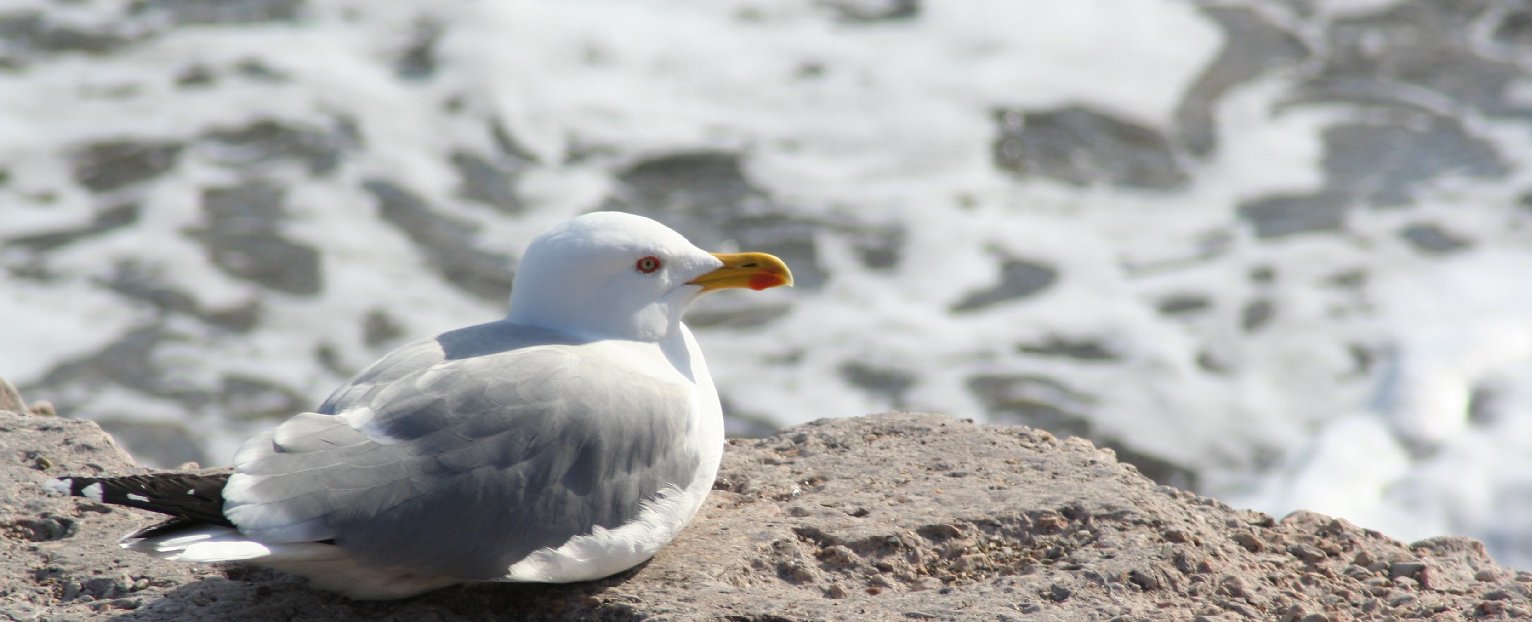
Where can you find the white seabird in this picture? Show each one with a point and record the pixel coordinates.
(567, 442)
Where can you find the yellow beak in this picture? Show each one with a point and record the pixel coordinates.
(756, 271)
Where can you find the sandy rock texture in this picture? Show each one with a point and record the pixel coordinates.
(886, 517)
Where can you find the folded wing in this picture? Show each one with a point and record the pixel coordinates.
(462, 455)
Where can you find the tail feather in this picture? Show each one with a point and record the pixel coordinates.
(169, 527)
(197, 531)
(193, 496)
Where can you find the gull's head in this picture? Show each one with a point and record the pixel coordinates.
(610, 274)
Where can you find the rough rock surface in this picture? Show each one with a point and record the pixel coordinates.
(886, 517)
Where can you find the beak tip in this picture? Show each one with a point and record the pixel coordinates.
(756, 271)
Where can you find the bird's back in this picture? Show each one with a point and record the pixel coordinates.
(490, 438)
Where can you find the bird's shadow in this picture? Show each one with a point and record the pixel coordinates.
(250, 593)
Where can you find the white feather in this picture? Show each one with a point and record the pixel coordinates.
(58, 486)
(216, 543)
(326, 566)
(605, 552)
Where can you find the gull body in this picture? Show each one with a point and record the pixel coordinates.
(569, 441)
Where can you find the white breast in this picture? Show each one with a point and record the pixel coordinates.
(605, 552)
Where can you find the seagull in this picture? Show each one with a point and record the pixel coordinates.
(567, 442)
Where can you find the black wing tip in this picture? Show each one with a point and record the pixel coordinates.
(93, 488)
(167, 526)
(192, 496)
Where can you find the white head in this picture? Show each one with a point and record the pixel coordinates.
(610, 274)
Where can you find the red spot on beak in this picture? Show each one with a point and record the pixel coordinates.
(762, 281)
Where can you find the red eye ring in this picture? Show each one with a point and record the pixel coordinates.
(647, 264)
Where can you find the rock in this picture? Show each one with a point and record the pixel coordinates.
(446, 240)
(844, 519)
(1019, 278)
(264, 142)
(1081, 146)
(243, 239)
(218, 12)
(10, 398)
(109, 165)
(1431, 238)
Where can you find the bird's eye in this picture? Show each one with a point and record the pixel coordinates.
(648, 264)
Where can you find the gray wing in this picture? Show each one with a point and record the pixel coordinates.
(463, 465)
(473, 341)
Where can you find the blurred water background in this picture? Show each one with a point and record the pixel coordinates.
(1275, 251)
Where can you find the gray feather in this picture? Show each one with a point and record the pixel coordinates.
(483, 450)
